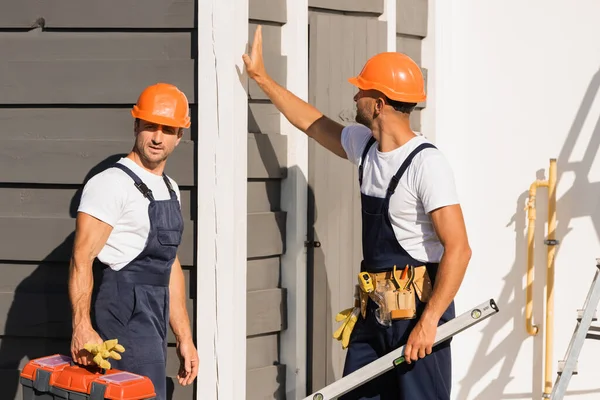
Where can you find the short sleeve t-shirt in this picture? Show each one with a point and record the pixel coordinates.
(426, 185)
(112, 197)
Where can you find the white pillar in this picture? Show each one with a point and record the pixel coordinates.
(294, 45)
(389, 15)
(222, 184)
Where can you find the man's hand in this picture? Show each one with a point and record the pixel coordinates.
(255, 65)
(81, 336)
(188, 358)
(420, 341)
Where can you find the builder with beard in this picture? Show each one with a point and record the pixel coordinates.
(414, 241)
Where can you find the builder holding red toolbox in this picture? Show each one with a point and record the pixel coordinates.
(130, 219)
(414, 241)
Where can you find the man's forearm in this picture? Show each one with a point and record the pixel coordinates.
(179, 319)
(300, 114)
(81, 283)
(450, 274)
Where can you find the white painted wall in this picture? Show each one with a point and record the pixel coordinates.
(517, 84)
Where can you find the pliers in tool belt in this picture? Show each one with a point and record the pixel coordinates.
(410, 270)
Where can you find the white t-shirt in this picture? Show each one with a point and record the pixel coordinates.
(426, 185)
(111, 196)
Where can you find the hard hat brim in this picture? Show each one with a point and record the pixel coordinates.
(159, 119)
(363, 84)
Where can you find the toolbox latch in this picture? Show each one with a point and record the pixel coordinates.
(97, 392)
(42, 380)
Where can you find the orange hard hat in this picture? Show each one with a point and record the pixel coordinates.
(395, 75)
(163, 104)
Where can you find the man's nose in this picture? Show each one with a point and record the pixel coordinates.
(157, 137)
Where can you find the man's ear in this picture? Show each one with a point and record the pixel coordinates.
(379, 104)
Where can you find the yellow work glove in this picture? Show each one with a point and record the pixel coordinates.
(348, 317)
(102, 352)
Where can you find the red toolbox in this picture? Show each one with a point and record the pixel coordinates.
(55, 377)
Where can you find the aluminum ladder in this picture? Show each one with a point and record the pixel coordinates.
(396, 357)
(568, 367)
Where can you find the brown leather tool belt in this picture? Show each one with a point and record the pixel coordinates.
(399, 289)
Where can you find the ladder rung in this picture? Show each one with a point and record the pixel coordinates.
(594, 328)
(561, 367)
(580, 315)
(592, 336)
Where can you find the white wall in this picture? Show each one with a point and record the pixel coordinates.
(512, 81)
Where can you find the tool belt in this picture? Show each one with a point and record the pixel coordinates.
(395, 292)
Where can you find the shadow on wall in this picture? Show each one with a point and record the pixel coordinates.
(32, 334)
(581, 200)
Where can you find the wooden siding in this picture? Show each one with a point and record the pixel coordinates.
(65, 100)
(339, 47)
(411, 17)
(351, 6)
(267, 166)
(411, 28)
(273, 11)
(91, 14)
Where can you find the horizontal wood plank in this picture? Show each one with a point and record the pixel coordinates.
(411, 17)
(53, 278)
(276, 65)
(50, 46)
(73, 161)
(263, 274)
(263, 118)
(371, 6)
(266, 383)
(409, 45)
(54, 238)
(45, 315)
(50, 123)
(266, 311)
(262, 351)
(85, 81)
(16, 352)
(267, 156)
(271, 240)
(76, 160)
(98, 14)
(271, 37)
(263, 196)
(62, 203)
(268, 10)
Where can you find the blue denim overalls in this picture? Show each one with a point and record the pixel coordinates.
(426, 379)
(133, 303)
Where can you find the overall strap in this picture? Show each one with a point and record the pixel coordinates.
(141, 186)
(170, 187)
(362, 160)
(404, 167)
